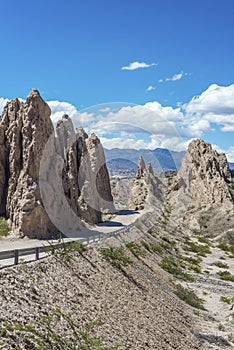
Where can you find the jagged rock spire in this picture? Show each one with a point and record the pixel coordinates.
(145, 189)
(150, 168)
(25, 128)
(79, 164)
(141, 167)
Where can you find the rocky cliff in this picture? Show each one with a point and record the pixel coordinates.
(25, 132)
(202, 192)
(204, 175)
(85, 176)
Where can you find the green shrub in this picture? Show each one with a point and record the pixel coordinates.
(196, 312)
(116, 257)
(135, 249)
(221, 327)
(189, 297)
(165, 237)
(227, 300)
(65, 251)
(172, 266)
(223, 246)
(45, 335)
(195, 268)
(200, 249)
(154, 248)
(228, 248)
(168, 245)
(202, 239)
(231, 337)
(221, 264)
(226, 276)
(192, 259)
(4, 227)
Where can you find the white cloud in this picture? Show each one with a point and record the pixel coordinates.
(3, 102)
(165, 126)
(151, 118)
(136, 65)
(120, 143)
(152, 125)
(172, 143)
(58, 109)
(216, 100)
(175, 77)
(200, 126)
(104, 110)
(215, 105)
(150, 88)
(229, 152)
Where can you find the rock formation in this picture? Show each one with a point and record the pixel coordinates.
(204, 175)
(141, 168)
(24, 131)
(146, 188)
(201, 194)
(75, 161)
(85, 176)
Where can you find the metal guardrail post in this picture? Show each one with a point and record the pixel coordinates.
(16, 257)
(37, 253)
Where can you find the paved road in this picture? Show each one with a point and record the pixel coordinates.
(122, 219)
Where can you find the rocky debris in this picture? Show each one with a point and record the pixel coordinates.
(146, 188)
(42, 173)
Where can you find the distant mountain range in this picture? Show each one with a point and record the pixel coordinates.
(123, 162)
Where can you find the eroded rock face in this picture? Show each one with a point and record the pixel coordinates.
(74, 171)
(204, 175)
(201, 195)
(86, 180)
(24, 131)
(100, 173)
(140, 168)
(146, 188)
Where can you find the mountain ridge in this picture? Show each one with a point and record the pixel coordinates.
(123, 161)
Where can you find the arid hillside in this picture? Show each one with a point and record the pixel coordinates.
(50, 302)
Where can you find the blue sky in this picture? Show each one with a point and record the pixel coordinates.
(75, 51)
